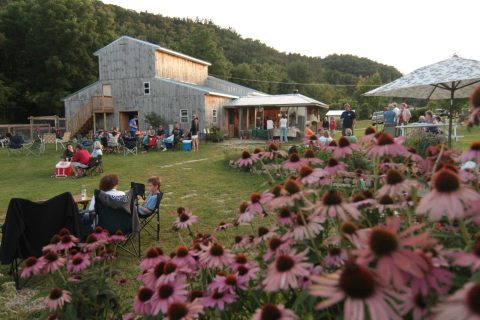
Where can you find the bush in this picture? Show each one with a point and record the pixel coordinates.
(215, 135)
(421, 140)
(154, 119)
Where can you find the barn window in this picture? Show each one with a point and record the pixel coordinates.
(214, 114)
(183, 115)
(146, 88)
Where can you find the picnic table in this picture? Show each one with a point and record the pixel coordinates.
(422, 125)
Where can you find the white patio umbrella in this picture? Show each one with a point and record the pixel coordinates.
(448, 79)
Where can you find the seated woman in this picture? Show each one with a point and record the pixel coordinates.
(68, 153)
(326, 138)
(108, 184)
(112, 140)
(97, 150)
(308, 131)
(153, 187)
(349, 135)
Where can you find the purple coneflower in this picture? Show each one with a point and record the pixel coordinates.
(244, 216)
(255, 206)
(331, 146)
(153, 256)
(67, 242)
(463, 304)
(184, 257)
(215, 256)
(435, 279)
(172, 272)
(273, 152)
(263, 234)
(285, 271)
(33, 266)
(247, 159)
(390, 248)
(448, 197)
(277, 246)
(310, 158)
(53, 261)
(292, 191)
(396, 184)
(53, 244)
(93, 243)
(185, 220)
(313, 177)
(285, 216)
(247, 272)
(385, 145)
(467, 259)
(369, 136)
(166, 294)
(222, 226)
(78, 262)
(356, 285)
(294, 162)
(272, 311)
(218, 299)
(241, 242)
(229, 282)
(334, 166)
(118, 236)
(333, 205)
(184, 311)
(472, 154)
(335, 258)
(415, 303)
(345, 148)
(150, 276)
(57, 298)
(142, 304)
(307, 226)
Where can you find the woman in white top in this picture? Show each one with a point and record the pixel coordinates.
(97, 150)
(326, 138)
(283, 128)
(108, 184)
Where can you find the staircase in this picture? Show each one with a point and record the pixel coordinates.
(82, 120)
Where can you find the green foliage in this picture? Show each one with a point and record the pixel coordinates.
(154, 119)
(215, 134)
(421, 140)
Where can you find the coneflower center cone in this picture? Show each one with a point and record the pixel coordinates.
(184, 217)
(272, 147)
(242, 270)
(473, 298)
(245, 155)
(240, 258)
(182, 252)
(277, 191)
(77, 260)
(385, 139)
(348, 228)
(476, 249)
(274, 243)
(357, 281)
(369, 130)
(152, 253)
(66, 238)
(284, 213)
(55, 294)
(158, 270)
(31, 261)
(231, 280)
(238, 239)
(270, 312)
(169, 267)
(301, 219)
(334, 251)
(292, 186)
(218, 295)
(394, 177)
(294, 157)
(165, 291)
(475, 146)
(446, 181)
(284, 263)
(262, 231)
(145, 294)
(386, 200)
(383, 241)
(305, 171)
(332, 162)
(216, 250)
(332, 198)
(91, 239)
(55, 239)
(343, 142)
(51, 256)
(255, 197)
(420, 301)
(177, 311)
(309, 153)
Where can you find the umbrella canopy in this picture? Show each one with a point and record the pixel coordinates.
(448, 79)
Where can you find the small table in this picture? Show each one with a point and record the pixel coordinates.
(81, 201)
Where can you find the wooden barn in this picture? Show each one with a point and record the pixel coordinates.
(138, 77)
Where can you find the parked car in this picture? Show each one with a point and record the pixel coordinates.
(441, 112)
(377, 117)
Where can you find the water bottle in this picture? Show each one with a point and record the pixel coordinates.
(83, 192)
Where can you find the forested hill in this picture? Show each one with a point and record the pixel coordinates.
(46, 52)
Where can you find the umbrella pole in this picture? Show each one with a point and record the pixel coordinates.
(450, 118)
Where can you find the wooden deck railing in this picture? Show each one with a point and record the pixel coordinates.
(96, 104)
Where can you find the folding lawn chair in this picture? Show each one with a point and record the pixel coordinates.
(117, 213)
(139, 190)
(35, 148)
(95, 166)
(15, 147)
(29, 226)
(63, 142)
(130, 146)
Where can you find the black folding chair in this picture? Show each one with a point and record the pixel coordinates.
(95, 166)
(29, 226)
(117, 213)
(139, 190)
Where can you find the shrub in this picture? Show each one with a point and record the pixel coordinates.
(421, 140)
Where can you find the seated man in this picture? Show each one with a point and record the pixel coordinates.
(177, 133)
(80, 160)
(153, 187)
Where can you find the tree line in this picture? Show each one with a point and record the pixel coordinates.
(46, 53)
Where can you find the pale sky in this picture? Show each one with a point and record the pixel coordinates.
(406, 34)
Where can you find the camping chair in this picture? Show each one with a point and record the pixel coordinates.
(117, 213)
(63, 142)
(35, 148)
(15, 146)
(139, 190)
(95, 166)
(29, 226)
(130, 146)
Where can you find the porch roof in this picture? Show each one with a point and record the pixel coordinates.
(279, 100)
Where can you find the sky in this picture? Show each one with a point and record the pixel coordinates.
(405, 34)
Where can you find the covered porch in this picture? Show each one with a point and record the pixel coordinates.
(247, 116)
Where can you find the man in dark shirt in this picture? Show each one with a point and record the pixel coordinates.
(348, 118)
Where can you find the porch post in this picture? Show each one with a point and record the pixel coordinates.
(94, 123)
(104, 121)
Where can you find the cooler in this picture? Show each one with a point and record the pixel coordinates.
(63, 169)
(187, 145)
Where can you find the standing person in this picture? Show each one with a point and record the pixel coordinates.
(348, 118)
(325, 123)
(133, 126)
(333, 126)
(270, 128)
(194, 129)
(389, 120)
(283, 128)
(403, 117)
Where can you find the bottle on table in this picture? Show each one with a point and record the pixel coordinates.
(83, 192)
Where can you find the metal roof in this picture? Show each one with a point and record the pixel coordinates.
(155, 47)
(335, 113)
(194, 86)
(280, 100)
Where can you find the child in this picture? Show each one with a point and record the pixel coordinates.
(333, 126)
(153, 187)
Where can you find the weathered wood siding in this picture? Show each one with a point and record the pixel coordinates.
(215, 103)
(172, 67)
(76, 101)
(229, 87)
(126, 59)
